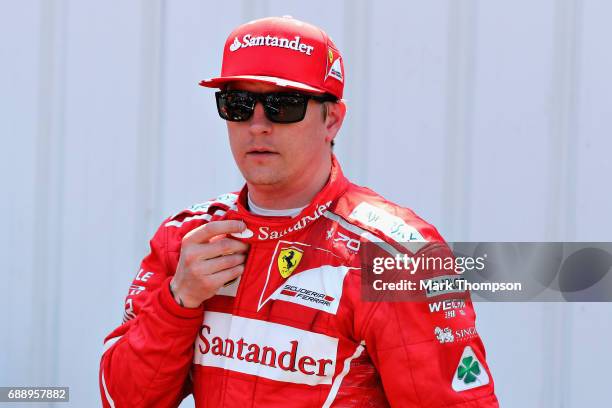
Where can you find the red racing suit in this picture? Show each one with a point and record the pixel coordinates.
(294, 330)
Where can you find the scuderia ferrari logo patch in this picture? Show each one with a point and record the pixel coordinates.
(334, 67)
(288, 260)
(470, 372)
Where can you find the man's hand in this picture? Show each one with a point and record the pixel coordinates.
(208, 260)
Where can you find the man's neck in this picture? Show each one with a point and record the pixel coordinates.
(293, 195)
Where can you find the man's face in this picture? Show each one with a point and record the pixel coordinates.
(277, 154)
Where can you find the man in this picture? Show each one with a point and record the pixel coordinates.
(254, 298)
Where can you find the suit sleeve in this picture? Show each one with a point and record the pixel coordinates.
(426, 349)
(146, 359)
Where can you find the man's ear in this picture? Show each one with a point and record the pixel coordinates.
(334, 118)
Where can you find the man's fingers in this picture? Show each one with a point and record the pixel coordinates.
(194, 253)
(205, 232)
(226, 246)
(212, 266)
(227, 275)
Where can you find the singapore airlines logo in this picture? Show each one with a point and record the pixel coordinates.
(288, 260)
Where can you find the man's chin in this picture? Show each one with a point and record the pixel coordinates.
(267, 178)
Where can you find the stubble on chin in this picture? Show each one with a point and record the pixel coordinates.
(263, 177)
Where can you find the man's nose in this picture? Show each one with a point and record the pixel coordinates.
(259, 123)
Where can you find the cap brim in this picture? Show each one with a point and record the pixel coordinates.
(220, 81)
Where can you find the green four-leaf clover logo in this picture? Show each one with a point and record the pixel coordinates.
(468, 370)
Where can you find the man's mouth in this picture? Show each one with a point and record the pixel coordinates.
(261, 152)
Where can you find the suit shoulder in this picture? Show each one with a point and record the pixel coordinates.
(368, 210)
(191, 217)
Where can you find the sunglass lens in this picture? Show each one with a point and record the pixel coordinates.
(235, 106)
(285, 108)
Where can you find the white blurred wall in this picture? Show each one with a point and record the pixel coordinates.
(491, 119)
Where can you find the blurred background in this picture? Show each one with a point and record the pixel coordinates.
(491, 119)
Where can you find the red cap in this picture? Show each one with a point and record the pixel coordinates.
(282, 51)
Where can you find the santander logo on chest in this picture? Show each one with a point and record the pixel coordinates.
(265, 349)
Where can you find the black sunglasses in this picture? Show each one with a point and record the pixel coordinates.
(279, 107)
